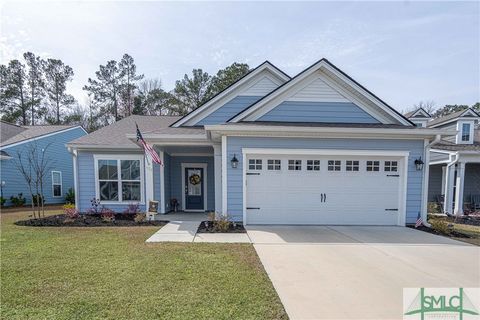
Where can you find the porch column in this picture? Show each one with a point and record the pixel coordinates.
(162, 206)
(217, 157)
(148, 181)
(459, 183)
(449, 177)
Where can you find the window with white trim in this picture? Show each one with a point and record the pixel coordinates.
(334, 165)
(255, 164)
(119, 180)
(391, 166)
(274, 164)
(295, 165)
(465, 132)
(373, 165)
(352, 165)
(57, 183)
(313, 165)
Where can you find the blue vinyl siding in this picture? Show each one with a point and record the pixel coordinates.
(86, 183)
(175, 169)
(234, 176)
(59, 158)
(472, 179)
(228, 110)
(435, 181)
(168, 194)
(333, 112)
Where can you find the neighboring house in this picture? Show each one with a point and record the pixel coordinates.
(15, 140)
(455, 160)
(317, 148)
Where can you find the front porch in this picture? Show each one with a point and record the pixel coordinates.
(455, 184)
(188, 184)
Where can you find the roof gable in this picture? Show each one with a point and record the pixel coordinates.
(32, 133)
(419, 113)
(323, 82)
(467, 113)
(257, 83)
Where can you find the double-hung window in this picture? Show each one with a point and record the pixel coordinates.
(119, 180)
(57, 183)
(465, 132)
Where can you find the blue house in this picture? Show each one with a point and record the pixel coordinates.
(20, 141)
(317, 148)
(454, 160)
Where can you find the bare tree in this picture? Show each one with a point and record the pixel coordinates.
(427, 105)
(34, 165)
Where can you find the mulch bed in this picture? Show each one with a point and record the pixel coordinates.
(86, 220)
(452, 234)
(234, 227)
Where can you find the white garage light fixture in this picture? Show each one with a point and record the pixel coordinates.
(419, 164)
(234, 161)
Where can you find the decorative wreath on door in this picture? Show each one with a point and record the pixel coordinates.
(195, 179)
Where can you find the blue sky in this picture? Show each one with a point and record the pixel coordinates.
(402, 51)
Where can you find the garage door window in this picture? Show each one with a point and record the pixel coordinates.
(373, 165)
(274, 164)
(334, 165)
(313, 165)
(352, 165)
(391, 166)
(295, 165)
(255, 164)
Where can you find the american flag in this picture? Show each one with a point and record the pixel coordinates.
(419, 221)
(149, 151)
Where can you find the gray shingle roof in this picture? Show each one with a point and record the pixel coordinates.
(30, 132)
(445, 145)
(446, 118)
(115, 134)
(8, 130)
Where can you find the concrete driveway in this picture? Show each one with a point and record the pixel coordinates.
(343, 272)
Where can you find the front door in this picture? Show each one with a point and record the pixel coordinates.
(194, 190)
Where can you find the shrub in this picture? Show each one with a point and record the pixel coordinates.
(211, 216)
(440, 226)
(2, 201)
(107, 215)
(70, 196)
(221, 223)
(96, 207)
(18, 201)
(38, 199)
(70, 211)
(140, 217)
(132, 210)
(433, 207)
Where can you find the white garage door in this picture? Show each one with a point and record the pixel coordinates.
(307, 189)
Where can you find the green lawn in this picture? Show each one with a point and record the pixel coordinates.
(111, 273)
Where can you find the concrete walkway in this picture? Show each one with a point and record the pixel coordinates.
(334, 272)
(186, 231)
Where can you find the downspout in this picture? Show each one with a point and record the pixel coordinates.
(426, 175)
(452, 163)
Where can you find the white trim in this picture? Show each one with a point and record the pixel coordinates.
(76, 187)
(163, 207)
(423, 112)
(336, 152)
(228, 94)
(324, 132)
(425, 180)
(402, 196)
(224, 176)
(460, 123)
(444, 173)
(119, 157)
(204, 166)
(61, 184)
(149, 192)
(248, 114)
(40, 137)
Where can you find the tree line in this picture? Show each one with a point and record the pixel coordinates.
(33, 91)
